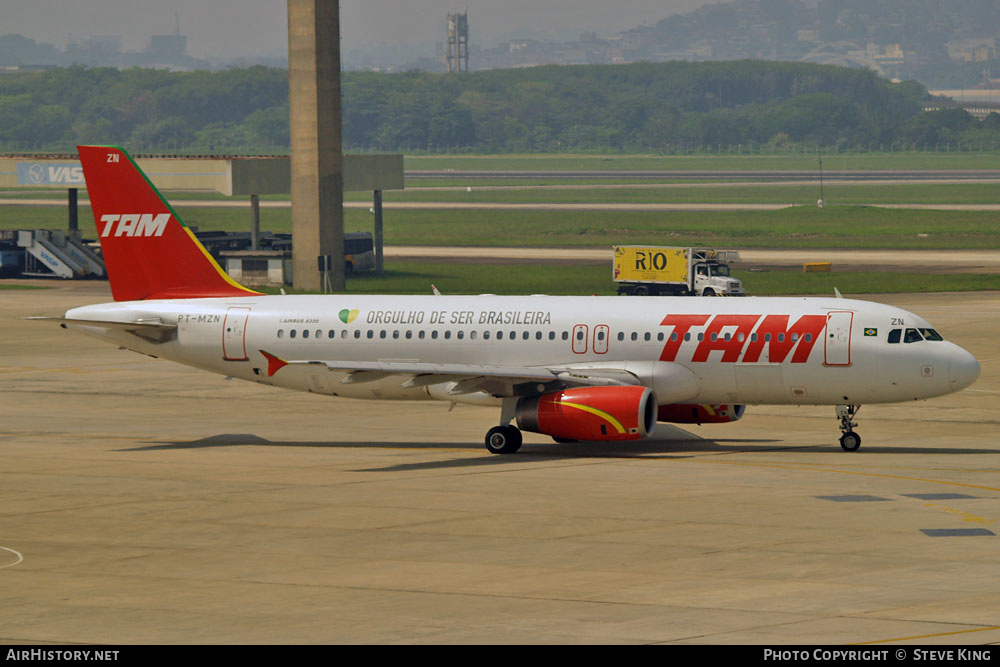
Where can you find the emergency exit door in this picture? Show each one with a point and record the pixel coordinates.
(234, 339)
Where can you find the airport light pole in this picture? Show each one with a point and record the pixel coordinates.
(821, 203)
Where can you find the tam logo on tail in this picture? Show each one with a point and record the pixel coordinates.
(134, 224)
(148, 250)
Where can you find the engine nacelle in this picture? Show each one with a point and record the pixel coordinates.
(700, 414)
(590, 413)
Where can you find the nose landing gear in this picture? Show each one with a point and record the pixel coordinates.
(849, 441)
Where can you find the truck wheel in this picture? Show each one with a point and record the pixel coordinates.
(640, 290)
(708, 292)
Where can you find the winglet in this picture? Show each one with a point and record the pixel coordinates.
(148, 251)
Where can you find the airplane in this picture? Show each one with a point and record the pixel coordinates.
(575, 368)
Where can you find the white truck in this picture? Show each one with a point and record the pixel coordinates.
(652, 270)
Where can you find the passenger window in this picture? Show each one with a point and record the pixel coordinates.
(409, 334)
(525, 335)
(912, 336)
(486, 335)
(331, 334)
(395, 334)
(635, 336)
(673, 337)
(621, 335)
(281, 333)
(461, 335)
(370, 333)
(305, 333)
(357, 333)
(538, 335)
(552, 335)
(565, 335)
(291, 333)
(381, 334)
(447, 335)
(319, 334)
(499, 335)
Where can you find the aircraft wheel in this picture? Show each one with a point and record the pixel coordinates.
(850, 441)
(503, 440)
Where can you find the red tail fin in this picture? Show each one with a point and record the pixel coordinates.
(149, 253)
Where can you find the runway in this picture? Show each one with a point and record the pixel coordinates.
(911, 175)
(146, 502)
(526, 206)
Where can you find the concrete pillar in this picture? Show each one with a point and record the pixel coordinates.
(74, 215)
(317, 152)
(255, 222)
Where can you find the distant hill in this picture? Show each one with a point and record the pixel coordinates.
(908, 39)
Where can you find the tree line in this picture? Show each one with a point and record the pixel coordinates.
(645, 107)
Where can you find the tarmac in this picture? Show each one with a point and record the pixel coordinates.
(144, 502)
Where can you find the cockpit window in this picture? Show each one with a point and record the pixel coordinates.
(912, 336)
(931, 334)
(895, 335)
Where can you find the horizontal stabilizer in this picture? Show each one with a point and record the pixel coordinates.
(153, 331)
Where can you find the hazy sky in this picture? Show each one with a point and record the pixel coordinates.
(217, 28)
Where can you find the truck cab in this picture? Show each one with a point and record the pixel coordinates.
(714, 279)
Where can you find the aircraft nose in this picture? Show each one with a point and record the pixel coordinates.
(963, 369)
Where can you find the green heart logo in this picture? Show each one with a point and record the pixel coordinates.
(348, 316)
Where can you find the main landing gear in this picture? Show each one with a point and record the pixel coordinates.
(506, 438)
(503, 439)
(849, 441)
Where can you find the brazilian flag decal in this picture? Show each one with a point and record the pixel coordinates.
(871, 332)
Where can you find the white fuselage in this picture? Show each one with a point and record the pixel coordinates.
(689, 350)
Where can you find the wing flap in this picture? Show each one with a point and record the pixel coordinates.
(468, 378)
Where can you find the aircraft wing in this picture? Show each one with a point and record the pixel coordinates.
(151, 330)
(468, 378)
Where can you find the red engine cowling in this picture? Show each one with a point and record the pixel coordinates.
(700, 414)
(590, 413)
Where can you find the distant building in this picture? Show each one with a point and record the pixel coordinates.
(167, 46)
